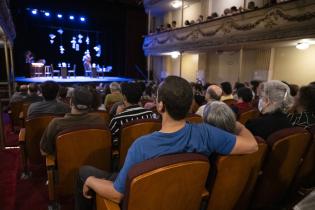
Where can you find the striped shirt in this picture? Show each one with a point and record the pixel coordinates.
(134, 112)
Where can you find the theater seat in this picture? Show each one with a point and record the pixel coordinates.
(233, 178)
(229, 102)
(286, 148)
(170, 182)
(14, 112)
(248, 115)
(23, 113)
(133, 130)
(104, 115)
(76, 147)
(194, 118)
(306, 174)
(29, 139)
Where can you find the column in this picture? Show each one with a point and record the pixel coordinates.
(12, 66)
(271, 63)
(6, 54)
(241, 65)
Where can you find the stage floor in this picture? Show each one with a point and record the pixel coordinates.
(78, 79)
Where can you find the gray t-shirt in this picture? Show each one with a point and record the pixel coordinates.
(48, 107)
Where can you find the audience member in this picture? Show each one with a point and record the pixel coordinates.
(275, 100)
(304, 108)
(49, 105)
(220, 115)
(114, 96)
(33, 94)
(244, 99)
(81, 102)
(129, 111)
(213, 93)
(227, 91)
(20, 94)
(176, 136)
(63, 95)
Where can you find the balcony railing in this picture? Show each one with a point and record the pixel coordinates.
(291, 20)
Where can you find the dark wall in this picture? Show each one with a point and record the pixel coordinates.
(120, 28)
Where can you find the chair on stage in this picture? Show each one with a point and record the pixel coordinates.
(54, 71)
(72, 71)
(174, 182)
(48, 71)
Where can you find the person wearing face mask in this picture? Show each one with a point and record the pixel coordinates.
(274, 102)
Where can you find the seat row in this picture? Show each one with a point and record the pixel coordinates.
(232, 180)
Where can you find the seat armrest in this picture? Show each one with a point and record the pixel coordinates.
(105, 204)
(205, 195)
(50, 161)
(22, 135)
(21, 116)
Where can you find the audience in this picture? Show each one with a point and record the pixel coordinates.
(81, 102)
(274, 102)
(20, 94)
(49, 105)
(129, 111)
(244, 99)
(33, 94)
(220, 115)
(114, 96)
(63, 95)
(304, 108)
(176, 136)
(227, 91)
(213, 93)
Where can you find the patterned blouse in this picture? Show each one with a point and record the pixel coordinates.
(303, 119)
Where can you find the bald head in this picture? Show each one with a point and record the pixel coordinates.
(23, 88)
(214, 92)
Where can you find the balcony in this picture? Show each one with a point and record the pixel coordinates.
(286, 21)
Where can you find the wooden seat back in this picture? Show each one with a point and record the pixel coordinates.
(171, 182)
(194, 118)
(133, 130)
(16, 108)
(256, 171)
(229, 102)
(306, 174)
(248, 115)
(104, 115)
(34, 129)
(234, 178)
(80, 146)
(286, 148)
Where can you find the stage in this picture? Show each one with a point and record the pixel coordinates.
(78, 79)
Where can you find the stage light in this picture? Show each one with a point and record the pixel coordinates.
(59, 15)
(302, 45)
(47, 14)
(87, 40)
(82, 19)
(71, 17)
(34, 11)
(60, 31)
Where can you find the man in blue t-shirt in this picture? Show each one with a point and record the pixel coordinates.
(174, 99)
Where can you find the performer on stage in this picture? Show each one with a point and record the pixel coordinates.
(87, 64)
(29, 59)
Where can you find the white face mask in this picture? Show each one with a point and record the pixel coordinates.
(261, 105)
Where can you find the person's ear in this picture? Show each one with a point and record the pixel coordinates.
(160, 107)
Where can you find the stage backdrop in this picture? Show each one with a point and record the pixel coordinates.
(117, 29)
